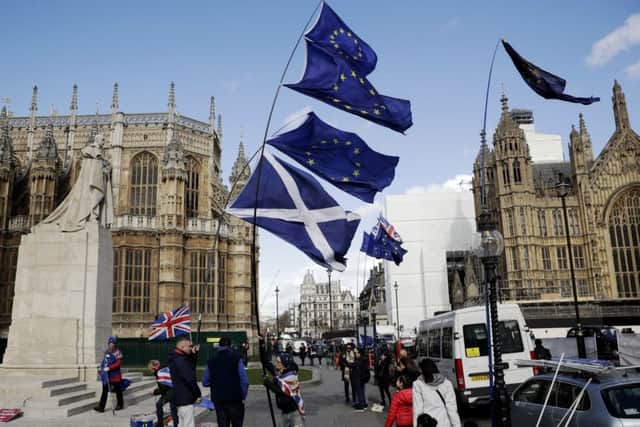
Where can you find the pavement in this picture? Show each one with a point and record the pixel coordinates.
(323, 398)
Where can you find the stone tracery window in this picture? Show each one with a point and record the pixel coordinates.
(144, 185)
(192, 187)
(200, 287)
(624, 232)
(132, 280)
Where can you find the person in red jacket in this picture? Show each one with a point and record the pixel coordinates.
(401, 409)
(111, 375)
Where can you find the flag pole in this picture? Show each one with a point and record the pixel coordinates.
(483, 207)
(254, 273)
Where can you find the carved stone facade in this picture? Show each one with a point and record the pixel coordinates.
(603, 209)
(168, 199)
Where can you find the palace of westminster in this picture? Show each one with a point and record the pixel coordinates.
(168, 198)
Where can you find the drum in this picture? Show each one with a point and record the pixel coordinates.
(142, 420)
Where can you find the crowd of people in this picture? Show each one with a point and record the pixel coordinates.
(422, 396)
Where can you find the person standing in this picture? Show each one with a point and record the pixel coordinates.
(303, 353)
(164, 386)
(182, 366)
(401, 408)
(540, 351)
(286, 387)
(433, 395)
(360, 375)
(111, 375)
(383, 376)
(347, 357)
(226, 376)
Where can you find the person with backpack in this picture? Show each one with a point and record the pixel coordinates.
(433, 395)
(401, 408)
(163, 389)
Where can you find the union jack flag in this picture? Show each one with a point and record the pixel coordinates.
(164, 377)
(389, 229)
(289, 384)
(171, 324)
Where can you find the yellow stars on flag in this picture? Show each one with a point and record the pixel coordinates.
(323, 141)
(356, 173)
(361, 80)
(343, 77)
(353, 74)
(311, 162)
(357, 164)
(376, 111)
(372, 92)
(364, 112)
(345, 179)
(356, 151)
(336, 87)
(336, 100)
(347, 143)
(347, 107)
(335, 141)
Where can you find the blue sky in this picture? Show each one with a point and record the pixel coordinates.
(434, 53)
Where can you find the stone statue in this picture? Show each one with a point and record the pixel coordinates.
(90, 199)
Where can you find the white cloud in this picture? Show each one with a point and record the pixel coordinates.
(619, 40)
(459, 183)
(633, 70)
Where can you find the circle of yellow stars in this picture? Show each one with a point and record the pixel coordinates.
(356, 151)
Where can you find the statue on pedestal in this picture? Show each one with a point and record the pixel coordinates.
(90, 199)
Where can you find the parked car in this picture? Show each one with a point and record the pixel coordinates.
(611, 399)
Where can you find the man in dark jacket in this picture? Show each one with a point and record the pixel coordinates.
(284, 375)
(360, 376)
(383, 376)
(111, 375)
(229, 384)
(182, 365)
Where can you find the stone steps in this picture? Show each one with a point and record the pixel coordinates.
(67, 396)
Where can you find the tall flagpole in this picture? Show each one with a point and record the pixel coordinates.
(483, 207)
(254, 273)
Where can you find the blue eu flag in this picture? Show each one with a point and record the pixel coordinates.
(333, 80)
(332, 35)
(340, 157)
(545, 84)
(380, 246)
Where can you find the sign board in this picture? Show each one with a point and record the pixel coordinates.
(213, 340)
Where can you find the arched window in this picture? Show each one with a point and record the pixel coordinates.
(523, 223)
(516, 172)
(144, 185)
(542, 221)
(505, 175)
(624, 231)
(510, 226)
(192, 187)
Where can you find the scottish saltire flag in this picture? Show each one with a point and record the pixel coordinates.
(389, 229)
(545, 84)
(164, 377)
(290, 385)
(336, 38)
(293, 205)
(171, 324)
(331, 79)
(342, 158)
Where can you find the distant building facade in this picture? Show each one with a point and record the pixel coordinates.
(373, 298)
(603, 208)
(168, 201)
(317, 301)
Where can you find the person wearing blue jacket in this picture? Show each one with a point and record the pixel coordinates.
(226, 376)
(186, 392)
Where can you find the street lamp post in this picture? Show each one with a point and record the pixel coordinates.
(364, 314)
(395, 286)
(330, 302)
(277, 314)
(563, 190)
(491, 247)
(315, 320)
(300, 318)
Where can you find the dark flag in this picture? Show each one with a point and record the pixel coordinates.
(342, 158)
(336, 38)
(293, 205)
(545, 84)
(333, 80)
(380, 245)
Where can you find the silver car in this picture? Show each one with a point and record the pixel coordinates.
(608, 401)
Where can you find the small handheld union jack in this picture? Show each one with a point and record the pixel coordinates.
(389, 229)
(171, 324)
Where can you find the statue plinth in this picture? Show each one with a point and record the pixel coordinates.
(61, 314)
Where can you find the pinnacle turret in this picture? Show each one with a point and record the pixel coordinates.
(114, 99)
(620, 108)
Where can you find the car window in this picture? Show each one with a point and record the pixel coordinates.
(623, 401)
(564, 395)
(475, 338)
(532, 392)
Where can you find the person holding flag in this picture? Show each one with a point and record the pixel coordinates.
(110, 375)
(182, 367)
(286, 387)
(163, 380)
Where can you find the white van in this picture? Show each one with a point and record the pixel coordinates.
(457, 342)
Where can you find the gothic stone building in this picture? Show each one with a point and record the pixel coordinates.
(603, 208)
(168, 200)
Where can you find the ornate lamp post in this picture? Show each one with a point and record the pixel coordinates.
(491, 247)
(330, 302)
(365, 318)
(562, 188)
(395, 287)
(277, 314)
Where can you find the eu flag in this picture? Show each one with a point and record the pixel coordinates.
(545, 84)
(293, 205)
(332, 80)
(342, 158)
(336, 38)
(380, 246)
